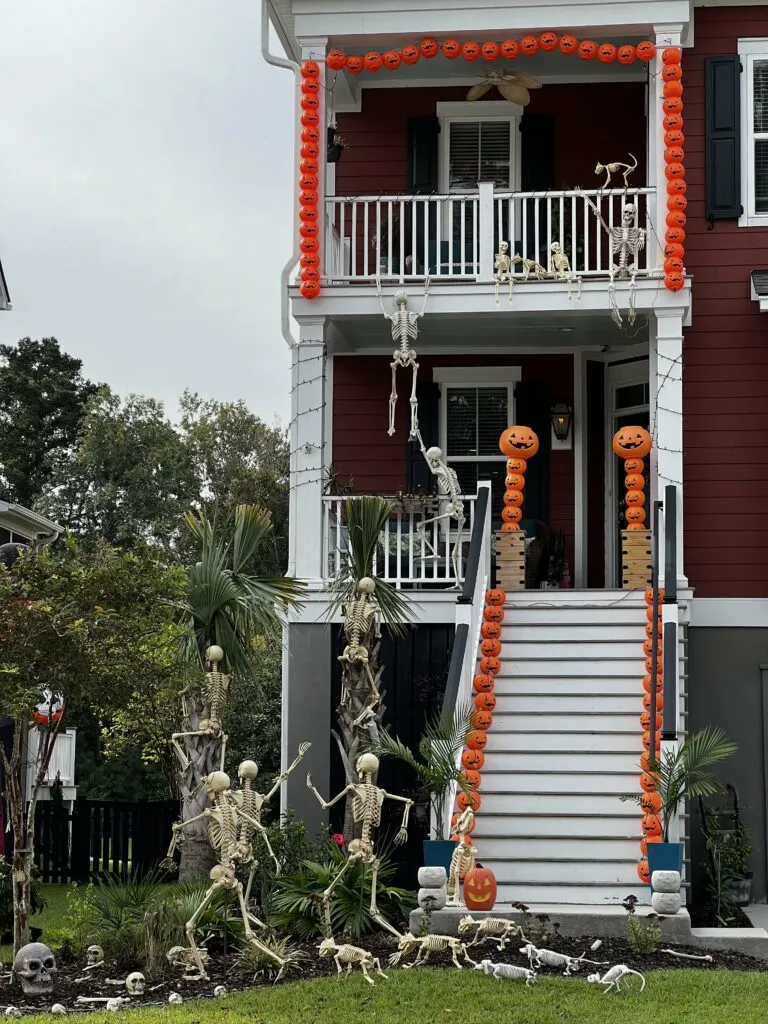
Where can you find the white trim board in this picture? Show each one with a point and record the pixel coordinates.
(729, 612)
(476, 376)
(749, 49)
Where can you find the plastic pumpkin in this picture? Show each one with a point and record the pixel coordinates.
(483, 683)
(568, 44)
(479, 888)
(651, 802)
(647, 741)
(674, 282)
(451, 49)
(512, 497)
(490, 631)
(465, 800)
(548, 41)
(489, 51)
(512, 516)
(587, 49)
(672, 122)
(651, 825)
(470, 51)
(391, 60)
(487, 702)
(474, 761)
(674, 234)
(490, 665)
(310, 118)
(308, 213)
(634, 498)
(509, 49)
(648, 648)
(606, 53)
(645, 841)
(515, 465)
(659, 701)
(472, 779)
(308, 182)
(354, 64)
(674, 154)
(646, 50)
(514, 481)
(310, 289)
(410, 54)
(529, 45)
(308, 245)
(310, 274)
(429, 47)
(309, 165)
(477, 740)
(632, 441)
(490, 648)
(673, 265)
(626, 55)
(645, 720)
(679, 203)
(482, 720)
(675, 219)
(520, 442)
(673, 105)
(310, 259)
(336, 60)
(671, 73)
(648, 784)
(674, 137)
(309, 150)
(372, 60)
(310, 69)
(645, 761)
(493, 613)
(309, 229)
(643, 871)
(310, 86)
(672, 55)
(496, 597)
(633, 465)
(634, 481)
(308, 198)
(675, 170)
(676, 186)
(673, 89)
(310, 134)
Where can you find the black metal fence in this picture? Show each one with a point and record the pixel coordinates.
(101, 837)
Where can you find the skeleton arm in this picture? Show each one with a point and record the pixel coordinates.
(263, 833)
(426, 296)
(384, 313)
(594, 209)
(402, 834)
(303, 748)
(325, 804)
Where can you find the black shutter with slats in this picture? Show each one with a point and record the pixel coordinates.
(423, 135)
(537, 138)
(532, 410)
(723, 138)
(418, 475)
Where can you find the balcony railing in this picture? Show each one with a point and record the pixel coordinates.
(457, 236)
(407, 556)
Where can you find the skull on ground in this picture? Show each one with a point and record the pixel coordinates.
(35, 968)
(135, 983)
(94, 955)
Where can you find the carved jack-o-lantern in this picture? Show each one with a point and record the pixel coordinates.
(336, 60)
(410, 54)
(490, 648)
(633, 465)
(644, 871)
(646, 50)
(634, 482)
(512, 497)
(490, 630)
(470, 51)
(372, 60)
(632, 442)
(519, 442)
(490, 51)
(509, 49)
(626, 55)
(310, 289)
(451, 49)
(512, 515)
(648, 784)
(479, 888)
(391, 60)
(529, 45)
(496, 597)
(485, 701)
(477, 740)
(674, 282)
(548, 41)
(587, 49)
(606, 53)
(651, 825)
(465, 800)
(514, 481)
(473, 760)
(354, 64)
(568, 44)
(483, 683)
(493, 613)
(490, 665)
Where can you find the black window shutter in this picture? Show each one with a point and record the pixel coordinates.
(532, 410)
(723, 137)
(418, 474)
(537, 138)
(422, 155)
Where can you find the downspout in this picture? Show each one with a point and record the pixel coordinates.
(289, 65)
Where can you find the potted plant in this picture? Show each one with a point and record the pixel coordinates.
(437, 768)
(557, 562)
(679, 775)
(335, 145)
(728, 849)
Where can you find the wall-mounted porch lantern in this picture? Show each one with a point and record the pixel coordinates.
(561, 416)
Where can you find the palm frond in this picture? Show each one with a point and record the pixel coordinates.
(253, 526)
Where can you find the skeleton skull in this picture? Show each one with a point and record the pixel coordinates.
(216, 782)
(367, 764)
(400, 298)
(58, 1009)
(174, 998)
(135, 983)
(366, 585)
(94, 955)
(35, 967)
(628, 215)
(247, 770)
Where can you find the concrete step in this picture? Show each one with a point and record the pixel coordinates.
(595, 782)
(599, 894)
(567, 825)
(605, 702)
(499, 762)
(547, 849)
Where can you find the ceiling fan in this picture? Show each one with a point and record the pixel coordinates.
(513, 85)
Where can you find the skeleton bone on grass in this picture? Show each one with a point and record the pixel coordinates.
(214, 693)
(612, 977)
(449, 496)
(362, 616)
(405, 330)
(626, 241)
(490, 929)
(367, 800)
(549, 958)
(347, 955)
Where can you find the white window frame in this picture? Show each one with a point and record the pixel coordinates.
(749, 50)
(490, 110)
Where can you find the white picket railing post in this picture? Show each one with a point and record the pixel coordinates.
(486, 232)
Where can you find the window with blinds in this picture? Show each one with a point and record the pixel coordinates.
(760, 133)
(479, 151)
(474, 420)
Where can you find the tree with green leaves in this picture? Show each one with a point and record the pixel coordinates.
(43, 396)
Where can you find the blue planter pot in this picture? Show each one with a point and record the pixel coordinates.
(665, 857)
(438, 852)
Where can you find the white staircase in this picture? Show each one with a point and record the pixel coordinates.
(564, 746)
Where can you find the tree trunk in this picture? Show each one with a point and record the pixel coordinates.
(204, 753)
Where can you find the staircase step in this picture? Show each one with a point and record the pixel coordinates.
(503, 761)
(546, 849)
(555, 633)
(568, 826)
(594, 650)
(511, 702)
(515, 782)
(563, 722)
(504, 739)
(630, 685)
(557, 804)
(577, 892)
(572, 667)
(596, 871)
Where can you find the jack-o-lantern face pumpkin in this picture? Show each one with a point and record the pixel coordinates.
(649, 624)
(490, 666)
(479, 888)
(675, 170)
(672, 55)
(674, 234)
(451, 49)
(308, 213)
(673, 265)
(587, 49)
(635, 515)
(646, 50)
(647, 741)
(644, 871)
(673, 89)
(310, 134)
(309, 289)
(372, 60)
(490, 51)
(512, 514)
(492, 613)
(648, 784)
(336, 60)
(490, 631)
(308, 182)
(509, 49)
(634, 498)
(470, 51)
(473, 760)
(482, 720)
(634, 481)
(529, 45)
(465, 800)
(308, 165)
(309, 245)
(676, 219)
(391, 60)
(651, 825)
(354, 64)
(310, 274)
(645, 841)
(483, 683)
(309, 229)
(309, 150)
(496, 597)
(514, 481)
(410, 54)
(626, 55)
(311, 86)
(490, 648)
(659, 701)
(674, 154)
(679, 203)
(634, 465)
(477, 740)
(308, 198)
(646, 761)
(310, 259)
(471, 778)
(519, 442)
(674, 282)
(671, 73)
(485, 701)
(648, 648)
(310, 69)
(429, 48)
(676, 186)
(634, 526)
(512, 497)
(645, 720)
(650, 801)
(672, 105)
(310, 118)
(673, 122)
(674, 137)
(548, 41)
(515, 465)
(632, 442)
(606, 53)
(510, 527)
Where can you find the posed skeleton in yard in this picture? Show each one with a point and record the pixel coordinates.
(462, 858)
(627, 241)
(490, 929)
(560, 269)
(367, 801)
(214, 695)
(509, 971)
(426, 946)
(405, 331)
(348, 955)
(612, 977)
(451, 505)
(362, 620)
(502, 266)
(538, 958)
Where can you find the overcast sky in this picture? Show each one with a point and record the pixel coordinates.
(146, 182)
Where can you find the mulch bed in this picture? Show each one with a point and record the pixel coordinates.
(223, 972)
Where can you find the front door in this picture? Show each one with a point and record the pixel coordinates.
(627, 405)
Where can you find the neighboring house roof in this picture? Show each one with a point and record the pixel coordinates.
(5, 297)
(23, 522)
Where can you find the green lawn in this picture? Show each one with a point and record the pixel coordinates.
(53, 916)
(433, 996)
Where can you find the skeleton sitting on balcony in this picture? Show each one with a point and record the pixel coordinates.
(449, 496)
(405, 329)
(626, 243)
(361, 619)
(560, 268)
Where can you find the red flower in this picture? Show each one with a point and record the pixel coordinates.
(338, 838)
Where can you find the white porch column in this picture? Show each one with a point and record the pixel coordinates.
(665, 35)
(580, 469)
(666, 416)
(307, 440)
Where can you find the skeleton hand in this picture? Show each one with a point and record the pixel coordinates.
(303, 748)
(401, 836)
(309, 781)
(169, 864)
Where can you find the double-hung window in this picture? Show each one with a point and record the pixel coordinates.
(754, 119)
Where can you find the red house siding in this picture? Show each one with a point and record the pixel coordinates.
(725, 362)
(611, 117)
(363, 450)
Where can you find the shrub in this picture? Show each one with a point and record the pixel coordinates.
(256, 964)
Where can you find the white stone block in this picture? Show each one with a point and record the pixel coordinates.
(432, 877)
(666, 881)
(432, 899)
(666, 903)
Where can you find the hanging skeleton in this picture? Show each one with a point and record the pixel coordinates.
(362, 620)
(405, 330)
(367, 801)
(560, 269)
(626, 244)
(462, 858)
(214, 694)
(502, 265)
(449, 497)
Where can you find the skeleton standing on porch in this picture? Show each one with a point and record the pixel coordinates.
(366, 811)
(449, 496)
(405, 329)
(626, 241)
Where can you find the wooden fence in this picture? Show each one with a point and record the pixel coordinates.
(100, 838)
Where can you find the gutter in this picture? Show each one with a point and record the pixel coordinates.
(289, 65)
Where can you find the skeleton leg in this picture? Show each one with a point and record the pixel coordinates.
(338, 964)
(456, 553)
(366, 975)
(329, 892)
(374, 909)
(377, 967)
(454, 951)
(392, 399)
(632, 298)
(191, 926)
(420, 529)
(247, 918)
(180, 750)
(615, 312)
(414, 404)
(367, 711)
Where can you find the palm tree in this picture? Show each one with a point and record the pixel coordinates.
(229, 606)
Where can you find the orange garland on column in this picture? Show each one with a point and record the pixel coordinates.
(674, 157)
(309, 168)
(650, 799)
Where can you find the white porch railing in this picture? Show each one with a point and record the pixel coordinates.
(406, 555)
(457, 236)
